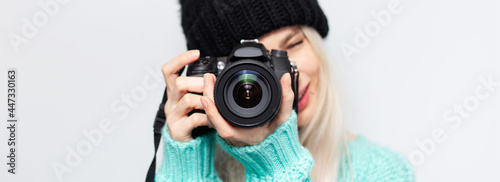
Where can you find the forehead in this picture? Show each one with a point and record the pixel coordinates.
(280, 35)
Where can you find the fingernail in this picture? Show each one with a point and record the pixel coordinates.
(194, 53)
(203, 102)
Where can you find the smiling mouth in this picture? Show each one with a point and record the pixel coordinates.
(303, 92)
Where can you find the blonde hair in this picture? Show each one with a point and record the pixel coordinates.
(325, 126)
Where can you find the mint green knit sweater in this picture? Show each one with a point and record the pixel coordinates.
(280, 157)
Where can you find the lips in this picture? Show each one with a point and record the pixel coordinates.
(303, 97)
(303, 91)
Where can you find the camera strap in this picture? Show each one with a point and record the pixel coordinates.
(295, 78)
(157, 126)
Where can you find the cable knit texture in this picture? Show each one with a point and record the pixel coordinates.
(371, 162)
(280, 157)
(187, 161)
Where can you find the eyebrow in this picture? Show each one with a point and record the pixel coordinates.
(289, 36)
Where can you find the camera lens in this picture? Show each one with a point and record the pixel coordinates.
(247, 92)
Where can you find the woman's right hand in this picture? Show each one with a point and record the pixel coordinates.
(181, 99)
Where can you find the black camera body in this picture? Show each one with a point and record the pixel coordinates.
(248, 92)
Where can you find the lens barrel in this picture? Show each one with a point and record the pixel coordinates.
(247, 93)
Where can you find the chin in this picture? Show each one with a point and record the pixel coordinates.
(303, 118)
(305, 115)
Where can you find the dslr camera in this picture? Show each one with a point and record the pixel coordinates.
(247, 92)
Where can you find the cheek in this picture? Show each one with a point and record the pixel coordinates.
(308, 65)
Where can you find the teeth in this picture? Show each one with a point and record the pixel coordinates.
(301, 95)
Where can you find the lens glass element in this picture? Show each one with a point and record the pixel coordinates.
(247, 92)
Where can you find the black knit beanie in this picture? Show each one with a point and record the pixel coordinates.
(216, 26)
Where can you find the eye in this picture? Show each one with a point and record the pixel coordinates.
(294, 44)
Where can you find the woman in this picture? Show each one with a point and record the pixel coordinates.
(309, 145)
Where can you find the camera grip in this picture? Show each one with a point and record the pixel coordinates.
(200, 130)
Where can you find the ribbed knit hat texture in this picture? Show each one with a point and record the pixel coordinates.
(216, 26)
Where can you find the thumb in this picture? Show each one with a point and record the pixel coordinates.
(287, 99)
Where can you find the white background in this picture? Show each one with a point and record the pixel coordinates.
(395, 90)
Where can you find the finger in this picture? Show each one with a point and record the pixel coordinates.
(197, 119)
(187, 103)
(170, 69)
(181, 127)
(287, 99)
(172, 121)
(224, 129)
(178, 131)
(208, 82)
(189, 84)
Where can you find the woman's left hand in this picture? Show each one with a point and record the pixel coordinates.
(237, 136)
